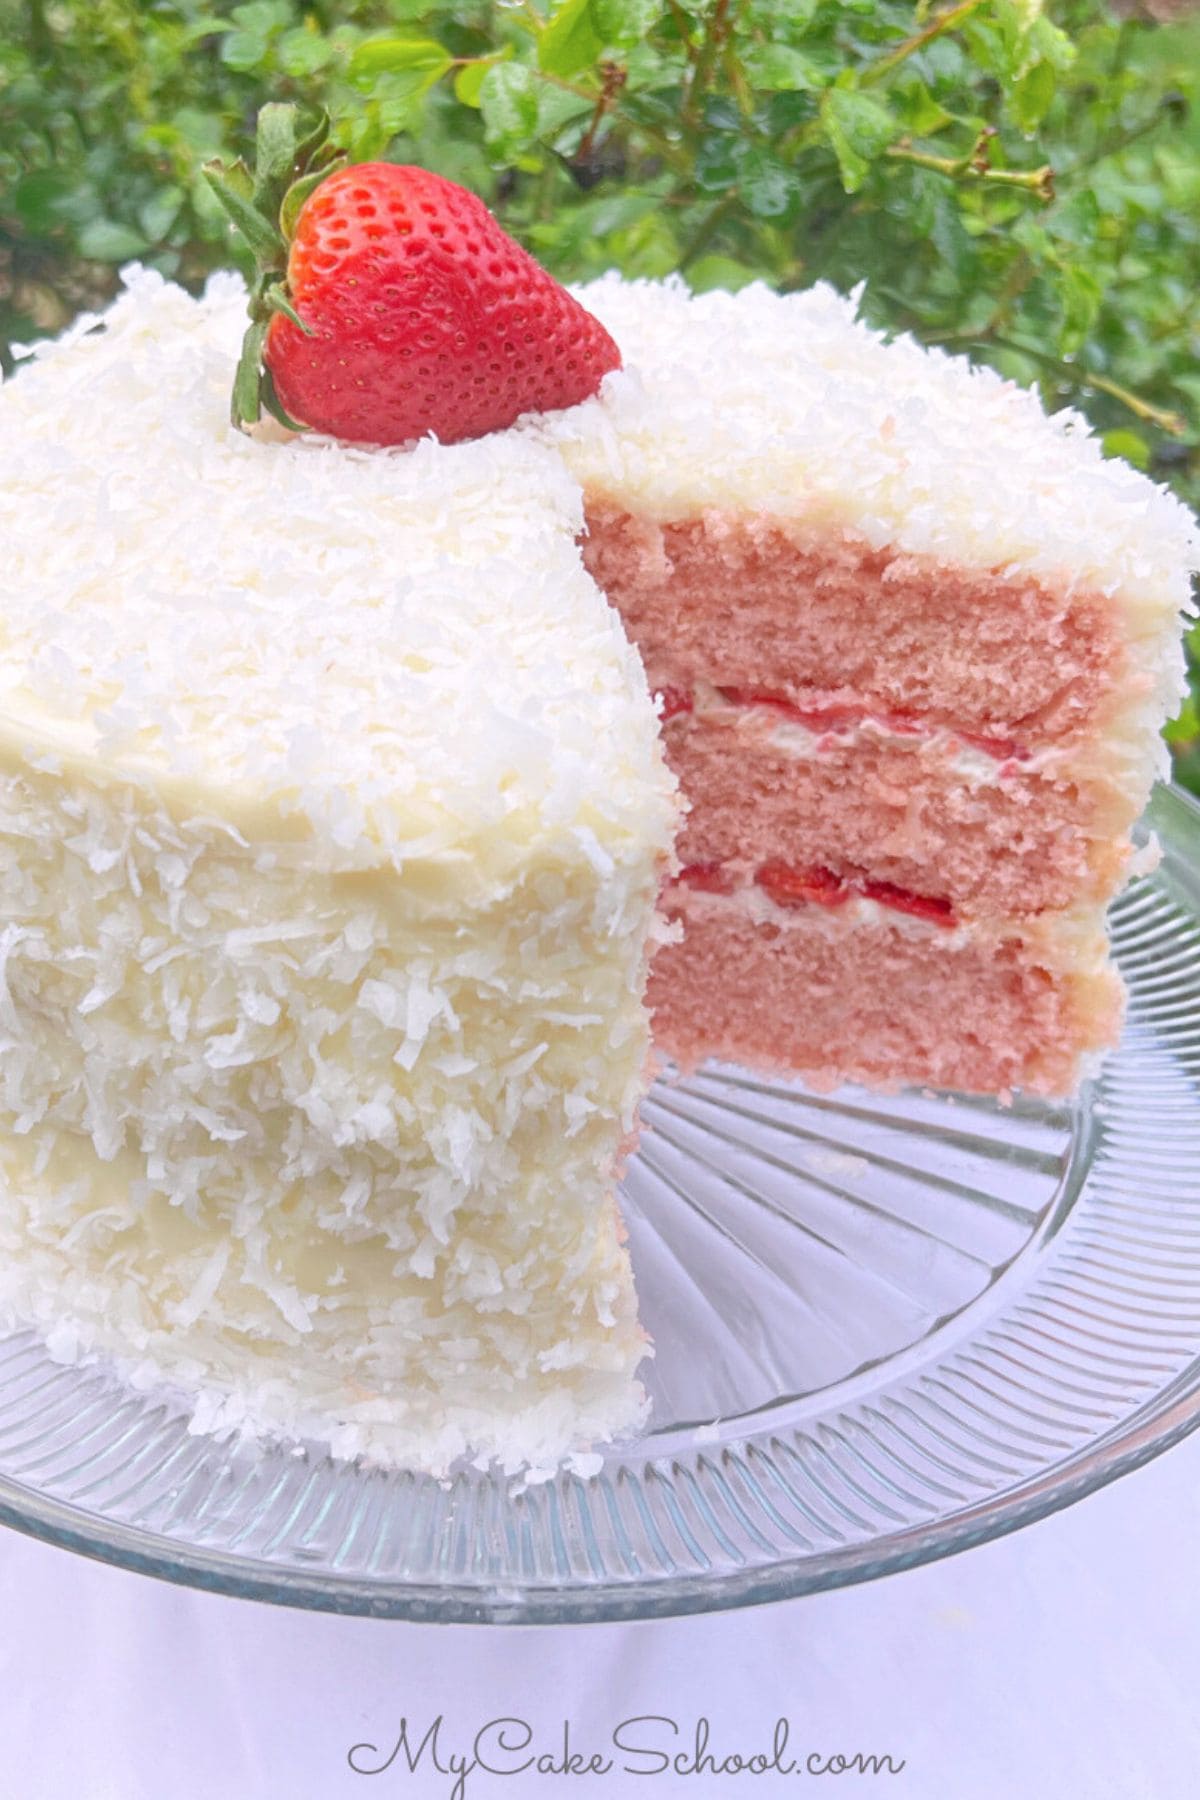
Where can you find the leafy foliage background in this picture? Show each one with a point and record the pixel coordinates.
(1015, 180)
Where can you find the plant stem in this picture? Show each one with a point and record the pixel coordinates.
(684, 29)
(716, 26)
(707, 229)
(943, 21)
(1163, 417)
(975, 167)
(613, 78)
(743, 92)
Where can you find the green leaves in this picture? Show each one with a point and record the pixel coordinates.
(1129, 444)
(275, 145)
(255, 26)
(234, 189)
(780, 68)
(1046, 42)
(859, 128)
(716, 166)
(620, 24)
(1081, 296)
(570, 40)
(245, 405)
(508, 100)
(303, 53)
(949, 236)
(389, 55)
(769, 188)
(48, 199)
(105, 240)
(292, 156)
(1032, 95)
(468, 82)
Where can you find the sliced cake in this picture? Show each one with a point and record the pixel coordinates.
(336, 807)
(914, 642)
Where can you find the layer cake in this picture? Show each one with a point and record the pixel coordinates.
(336, 818)
(914, 641)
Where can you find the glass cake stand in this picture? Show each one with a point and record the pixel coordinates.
(887, 1328)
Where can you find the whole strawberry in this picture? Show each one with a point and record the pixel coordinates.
(390, 305)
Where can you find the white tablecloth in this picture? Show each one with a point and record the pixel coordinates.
(1059, 1664)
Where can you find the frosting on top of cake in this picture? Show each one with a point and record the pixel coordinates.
(789, 405)
(400, 649)
(398, 652)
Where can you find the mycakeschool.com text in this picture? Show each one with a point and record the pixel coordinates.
(651, 1744)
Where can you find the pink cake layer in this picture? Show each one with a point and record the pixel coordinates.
(737, 600)
(1009, 837)
(878, 1001)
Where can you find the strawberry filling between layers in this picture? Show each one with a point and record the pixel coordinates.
(676, 702)
(854, 724)
(989, 822)
(814, 610)
(791, 887)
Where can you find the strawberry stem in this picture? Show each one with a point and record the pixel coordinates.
(275, 300)
(290, 160)
(255, 225)
(247, 381)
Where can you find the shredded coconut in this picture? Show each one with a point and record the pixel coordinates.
(339, 811)
(766, 402)
(338, 815)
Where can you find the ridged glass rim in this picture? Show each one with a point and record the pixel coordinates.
(1158, 1429)
(1156, 1424)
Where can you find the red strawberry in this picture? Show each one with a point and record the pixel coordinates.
(674, 702)
(1003, 749)
(921, 906)
(823, 718)
(789, 886)
(707, 877)
(405, 309)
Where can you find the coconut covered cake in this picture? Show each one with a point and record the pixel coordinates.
(333, 815)
(340, 792)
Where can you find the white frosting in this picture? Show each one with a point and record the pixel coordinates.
(339, 810)
(399, 650)
(1068, 942)
(327, 1159)
(939, 744)
(336, 814)
(788, 405)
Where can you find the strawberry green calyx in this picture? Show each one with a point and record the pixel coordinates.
(291, 159)
(389, 305)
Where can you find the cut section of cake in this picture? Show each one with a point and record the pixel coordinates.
(914, 641)
(334, 816)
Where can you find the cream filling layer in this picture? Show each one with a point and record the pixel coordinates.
(1112, 768)
(1071, 942)
(805, 743)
